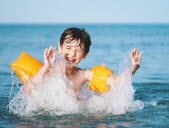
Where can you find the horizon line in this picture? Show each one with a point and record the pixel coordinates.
(84, 23)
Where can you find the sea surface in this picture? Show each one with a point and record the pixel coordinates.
(111, 45)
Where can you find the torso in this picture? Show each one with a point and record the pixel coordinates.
(79, 77)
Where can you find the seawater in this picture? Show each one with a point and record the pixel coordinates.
(141, 101)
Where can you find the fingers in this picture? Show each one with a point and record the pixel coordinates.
(53, 50)
(134, 54)
(135, 51)
(54, 54)
(50, 52)
(54, 57)
(131, 54)
(45, 56)
(45, 53)
(141, 53)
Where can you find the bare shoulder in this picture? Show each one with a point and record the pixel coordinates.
(86, 73)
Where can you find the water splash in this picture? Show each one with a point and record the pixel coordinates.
(55, 97)
(118, 100)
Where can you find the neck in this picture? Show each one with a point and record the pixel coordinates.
(69, 71)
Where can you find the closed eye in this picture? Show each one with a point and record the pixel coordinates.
(67, 47)
(79, 51)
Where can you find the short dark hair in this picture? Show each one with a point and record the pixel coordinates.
(77, 33)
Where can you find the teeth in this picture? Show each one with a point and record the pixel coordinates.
(69, 59)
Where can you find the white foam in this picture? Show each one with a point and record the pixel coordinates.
(117, 101)
(153, 103)
(54, 96)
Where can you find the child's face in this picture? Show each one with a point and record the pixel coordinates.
(72, 51)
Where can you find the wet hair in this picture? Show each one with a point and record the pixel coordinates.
(77, 33)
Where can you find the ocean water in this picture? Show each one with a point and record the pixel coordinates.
(111, 46)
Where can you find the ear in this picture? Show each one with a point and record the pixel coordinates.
(85, 55)
(59, 48)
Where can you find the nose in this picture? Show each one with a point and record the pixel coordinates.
(72, 53)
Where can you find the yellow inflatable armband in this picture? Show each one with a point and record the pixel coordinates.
(99, 79)
(26, 66)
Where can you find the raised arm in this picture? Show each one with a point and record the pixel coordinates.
(98, 75)
(49, 60)
(135, 64)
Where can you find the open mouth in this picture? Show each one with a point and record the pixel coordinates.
(70, 60)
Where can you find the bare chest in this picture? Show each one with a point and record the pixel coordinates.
(78, 82)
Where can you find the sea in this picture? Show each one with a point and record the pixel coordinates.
(147, 90)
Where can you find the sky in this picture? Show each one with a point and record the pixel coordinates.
(84, 11)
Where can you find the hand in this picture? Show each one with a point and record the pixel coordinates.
(135, 59)
(49, 57)
(49, 61)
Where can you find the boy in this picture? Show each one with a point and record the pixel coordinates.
(74, 46)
